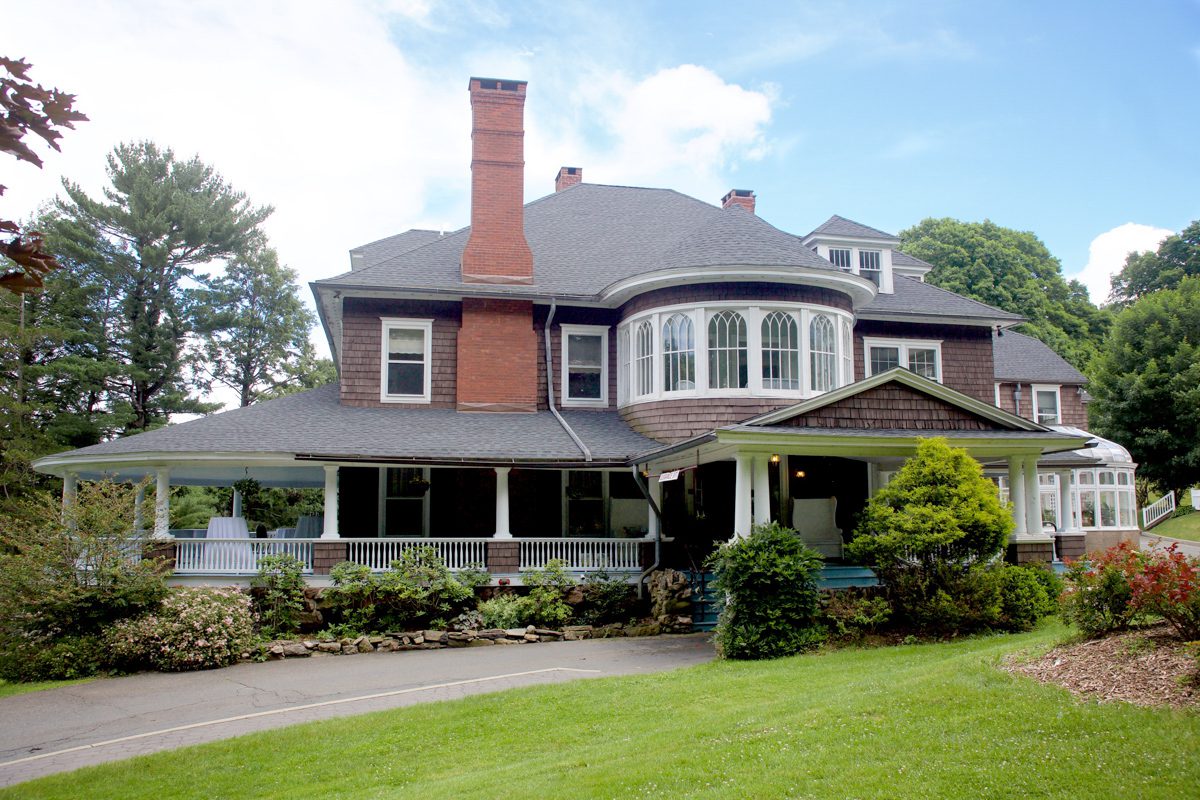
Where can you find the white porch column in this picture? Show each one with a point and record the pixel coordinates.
(1068, 515)
(655, 488)
(1016, 494)
(139, 500)
(741, 495)
(762, 490)
(502, 527)
(237, 503)
(162, 504)
(1033, 499)
(69, 494)
(331, 503)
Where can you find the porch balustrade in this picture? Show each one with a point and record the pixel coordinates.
(618, 555)
(378, 554)
(236, 556)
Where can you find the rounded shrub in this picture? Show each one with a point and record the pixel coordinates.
(1024, 599)
(1098, 598)
(192, 629)
(769, 582)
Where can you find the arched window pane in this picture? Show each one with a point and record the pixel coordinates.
(727, 351)
(643, 366)
(780, 351)
(679, 354)
(623, 360)
(822, 354)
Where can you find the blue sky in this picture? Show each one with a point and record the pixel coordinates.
(1077, 121)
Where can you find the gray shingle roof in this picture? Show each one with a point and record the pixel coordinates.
(370, 254)
(840, 226)
(1018, 357)
(314, 422)
(912, 297)
(589, 236)
(901, 259)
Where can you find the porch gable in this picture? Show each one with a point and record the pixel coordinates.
(895, 400)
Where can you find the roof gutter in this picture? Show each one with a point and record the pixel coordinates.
(587, 454)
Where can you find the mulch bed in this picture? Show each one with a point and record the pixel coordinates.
(1147, 667)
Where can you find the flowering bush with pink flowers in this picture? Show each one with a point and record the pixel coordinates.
(192, 629)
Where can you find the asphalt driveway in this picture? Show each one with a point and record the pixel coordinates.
(105, 720)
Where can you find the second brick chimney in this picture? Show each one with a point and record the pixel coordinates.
(567, 177)
(496, 250)
(739, 197)
(497, 345)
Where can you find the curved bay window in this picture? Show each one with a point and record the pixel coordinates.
(784, 349)
(679, 354)
(780, 351)
(822, 354)
(727, 362)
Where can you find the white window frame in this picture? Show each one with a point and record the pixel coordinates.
(861, 272)
(903, 345)
(584, 330)
(402, 323)
(1047, 387)
(699, 350)
(1087, 481)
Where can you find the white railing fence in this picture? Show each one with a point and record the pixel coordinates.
(235, 556)
(378, 554)
(581, 554)
(1159, 510)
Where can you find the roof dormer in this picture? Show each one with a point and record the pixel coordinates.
(864, 251)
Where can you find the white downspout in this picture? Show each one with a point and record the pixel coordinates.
(587, 454)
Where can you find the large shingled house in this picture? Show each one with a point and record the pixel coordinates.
(617, 377)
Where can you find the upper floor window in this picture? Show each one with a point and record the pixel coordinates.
(840, 258)
(869, 265)
(405, 367)
(780, 351)
(922, 357)
(585, 365)
(1046, 405)
(729, 349)
(643, 364)
(822, 354)
(727, 363)
(679, 354)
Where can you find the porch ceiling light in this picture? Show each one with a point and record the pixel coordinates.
(800, 473)
(775, 458)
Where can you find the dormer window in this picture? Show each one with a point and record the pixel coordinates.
(406, 361)
(840, 258)
(870, 266)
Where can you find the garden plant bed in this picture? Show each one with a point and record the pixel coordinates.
(437, 640)
(1146, 667)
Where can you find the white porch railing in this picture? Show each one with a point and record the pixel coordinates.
(235, 556)
(378, 554)
(618, 555)
(1159, 510)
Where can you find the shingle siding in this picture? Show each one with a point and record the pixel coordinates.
(892, 407)
(362, 348)
(674, 420)
(966, 353)
(1073, 410)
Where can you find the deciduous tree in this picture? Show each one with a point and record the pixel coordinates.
(1176, 258)
(1147, 385)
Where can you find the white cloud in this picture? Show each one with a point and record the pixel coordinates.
(352, 118)
(1107, 252)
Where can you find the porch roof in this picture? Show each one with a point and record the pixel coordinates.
(313, 427)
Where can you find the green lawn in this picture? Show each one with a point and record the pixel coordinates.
(921, 721)
(1186, 527)
(7, 689)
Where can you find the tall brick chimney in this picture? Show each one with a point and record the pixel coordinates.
(497, 345)
(496, 250)
(739, 197)
(567, 177)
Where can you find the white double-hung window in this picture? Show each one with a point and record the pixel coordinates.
(921, 356)
(1046, 404)
(585, 365)
(406, 361)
